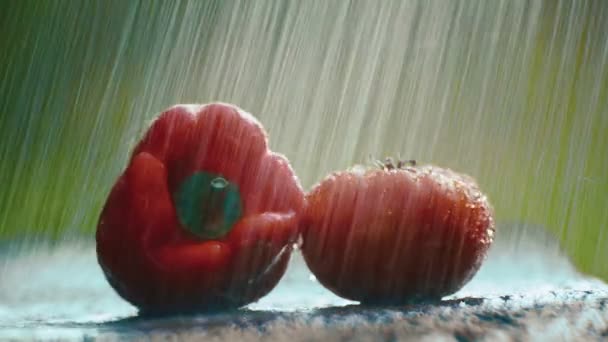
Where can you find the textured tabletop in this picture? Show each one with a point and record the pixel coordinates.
(526, 289)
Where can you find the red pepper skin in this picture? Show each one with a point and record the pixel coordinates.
(146, 253)
(396, 236)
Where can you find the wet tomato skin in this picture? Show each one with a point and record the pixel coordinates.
(150, 254)
(396, 236)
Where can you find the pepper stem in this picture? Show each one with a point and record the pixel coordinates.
(208, 205)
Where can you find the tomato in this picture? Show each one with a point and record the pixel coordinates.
(203, 218)
(396, 235)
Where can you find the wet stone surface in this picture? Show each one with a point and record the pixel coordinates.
(527, 289)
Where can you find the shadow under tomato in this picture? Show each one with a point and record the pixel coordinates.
(414, 307)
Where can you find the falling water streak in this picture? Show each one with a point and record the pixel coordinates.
(512, 92)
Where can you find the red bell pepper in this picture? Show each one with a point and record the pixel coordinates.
(204, 217)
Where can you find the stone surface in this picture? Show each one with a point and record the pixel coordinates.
(526, 289)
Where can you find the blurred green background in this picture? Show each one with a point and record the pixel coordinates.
(514, 93)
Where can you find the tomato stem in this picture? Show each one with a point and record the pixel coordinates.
(391, 163)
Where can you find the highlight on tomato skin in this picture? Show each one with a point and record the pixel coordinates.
(396, 235)
(203, 218)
